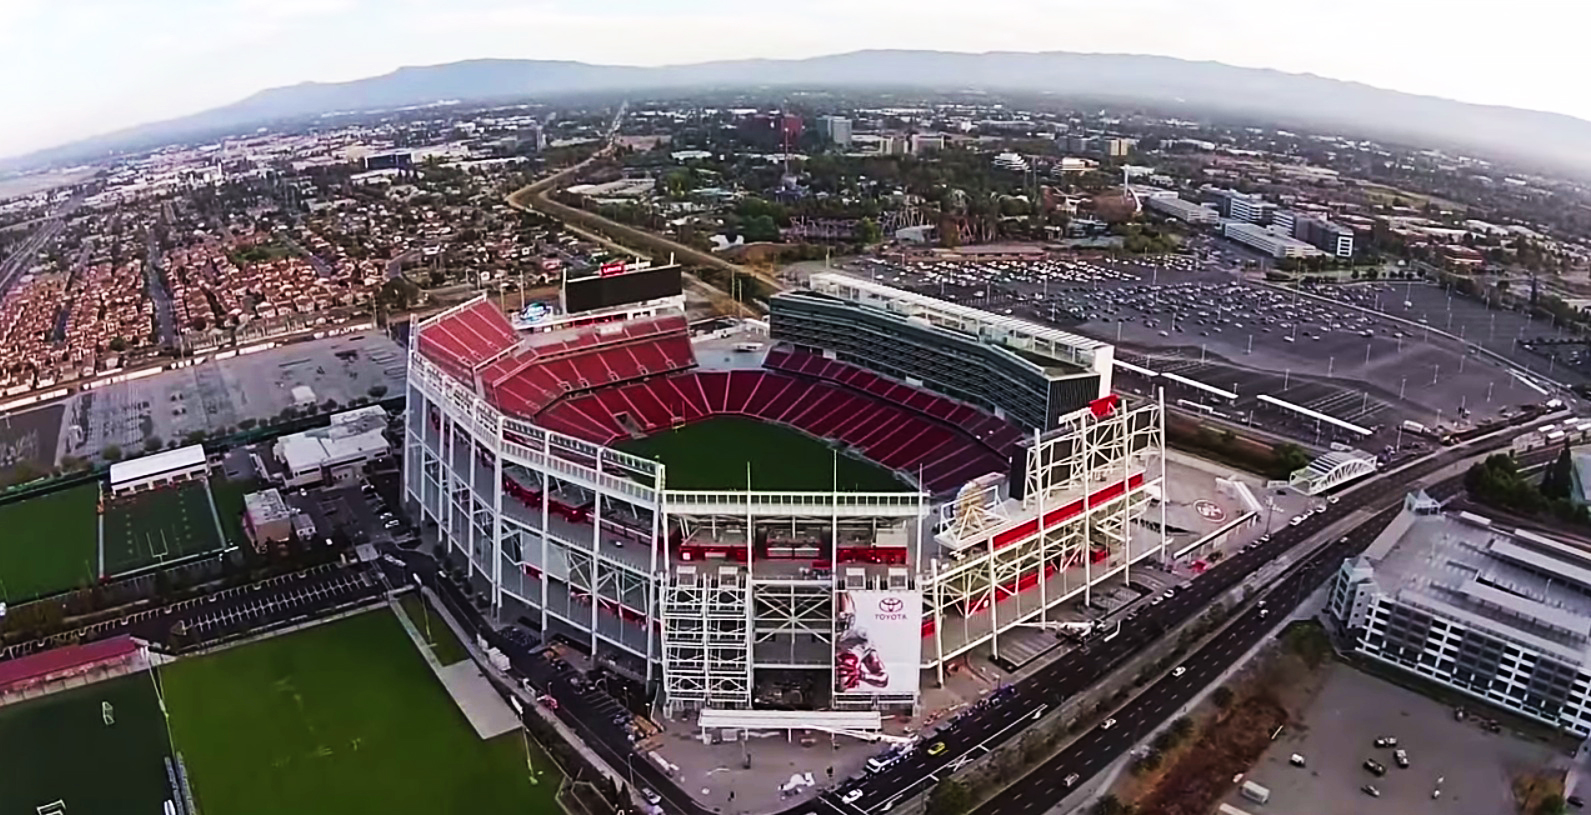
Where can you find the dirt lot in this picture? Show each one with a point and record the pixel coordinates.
(1336, 735)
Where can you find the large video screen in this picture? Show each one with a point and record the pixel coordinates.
(620, 288)
(880, 645)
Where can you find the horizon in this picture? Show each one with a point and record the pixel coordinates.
(122, 53)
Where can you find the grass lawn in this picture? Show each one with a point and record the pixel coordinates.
(339, 719)
(58, 748)
(158, 527)
(49, 544)
(444, 643)
(228, 496)
(713, 454)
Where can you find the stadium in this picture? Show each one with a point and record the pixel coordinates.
(822, 511)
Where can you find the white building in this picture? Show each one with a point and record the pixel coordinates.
(336, 452)
(1267, 241)
(1173, 206)
(1502, 616)
(159, 470)
(837, 129)
(1011, 161)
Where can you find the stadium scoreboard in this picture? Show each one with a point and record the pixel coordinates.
(618, 283)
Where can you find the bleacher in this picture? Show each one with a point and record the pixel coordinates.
(545, 367)
(999, 436)
(465, 338)
(609, 381)
(900, 438)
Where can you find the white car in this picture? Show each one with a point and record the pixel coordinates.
(1297, 519)
(1107, 724)
(851, 797)
(1179, 670)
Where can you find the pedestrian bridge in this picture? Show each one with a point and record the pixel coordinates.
(1332, 470)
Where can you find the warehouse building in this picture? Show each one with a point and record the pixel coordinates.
(1503, 616)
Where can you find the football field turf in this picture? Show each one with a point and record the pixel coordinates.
(157, 527)
(341, 718)
(49, 544)
(59, 748)
(713, 455)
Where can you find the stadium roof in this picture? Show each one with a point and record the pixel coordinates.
(138, 469)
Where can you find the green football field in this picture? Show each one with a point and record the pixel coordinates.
(59, 748)
(157, 527)
(714, 454)
(49, 544)
(341, 718)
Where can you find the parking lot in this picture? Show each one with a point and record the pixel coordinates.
(283, 598)
(1175, 315)
(1476, 768)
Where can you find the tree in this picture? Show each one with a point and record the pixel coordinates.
(248, 423)
(1222, 696)
(1108, 804)
(950, 797)
(118, 345)
(1290, 456)
(1551, 805)
(1183, 727)
(1558, 481)
(377, 391)
(153, 443)
(111, 452)
(867, 232)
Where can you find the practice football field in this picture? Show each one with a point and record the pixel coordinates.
(339, 719)
(49, 544)
(713, 455)
(58, 748)
(152, 528)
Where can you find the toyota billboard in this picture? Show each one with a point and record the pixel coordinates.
(880, 645)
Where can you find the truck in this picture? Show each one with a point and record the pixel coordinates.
(1255, 792)
(1411, 426)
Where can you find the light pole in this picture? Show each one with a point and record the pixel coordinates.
(1401, 385)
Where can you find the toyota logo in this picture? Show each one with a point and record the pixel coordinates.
(891, 605)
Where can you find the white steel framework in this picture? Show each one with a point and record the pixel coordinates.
(717, 598)
(1331, 470)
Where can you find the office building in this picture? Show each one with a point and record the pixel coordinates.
(926, 143)
(1173, 206)
(337, 452)
(1502, 616)
(1284, 221)
(1333, 239)
(1267, 241)
(1119, 148)
(837, 129)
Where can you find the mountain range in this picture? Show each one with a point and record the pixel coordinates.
(1195, 88)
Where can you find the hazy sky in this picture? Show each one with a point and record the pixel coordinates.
(75, 68)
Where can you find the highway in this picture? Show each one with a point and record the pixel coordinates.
(1006, 713)
(21, 259)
